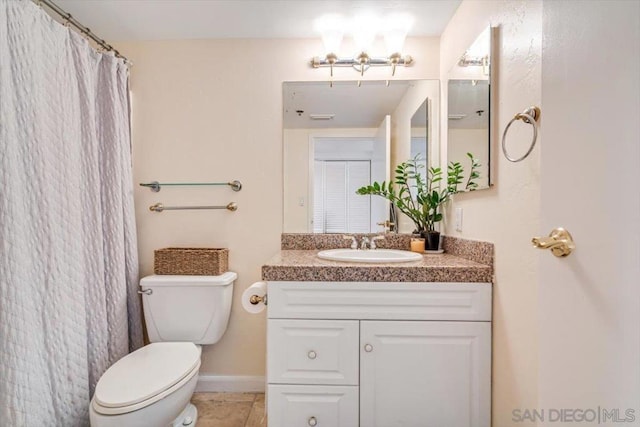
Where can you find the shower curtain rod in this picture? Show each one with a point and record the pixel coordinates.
(85, 31)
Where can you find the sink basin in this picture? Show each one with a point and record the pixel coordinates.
(370, 255)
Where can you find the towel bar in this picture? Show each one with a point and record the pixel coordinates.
(155, 186)
(159, 207)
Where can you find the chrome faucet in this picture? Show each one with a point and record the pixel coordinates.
(364, 243)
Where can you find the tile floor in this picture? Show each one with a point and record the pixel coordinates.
(230, 409)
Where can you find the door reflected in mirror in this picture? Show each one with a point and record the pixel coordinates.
(338, 139)
(469, 109)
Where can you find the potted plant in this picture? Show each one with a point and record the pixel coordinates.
(422, 200)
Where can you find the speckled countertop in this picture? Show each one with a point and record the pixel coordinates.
(304, 265)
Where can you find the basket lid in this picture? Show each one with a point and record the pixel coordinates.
(191, 249)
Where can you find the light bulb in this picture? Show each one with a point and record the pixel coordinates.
(364, 31)
(396, 28)
(331, 28)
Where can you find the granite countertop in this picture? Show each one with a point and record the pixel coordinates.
(304, 265)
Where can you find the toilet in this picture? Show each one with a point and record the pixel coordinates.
(152, 386)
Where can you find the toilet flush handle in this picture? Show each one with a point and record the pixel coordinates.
(146, 291)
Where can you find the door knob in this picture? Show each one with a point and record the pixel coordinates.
(368, 348)
(559, 241)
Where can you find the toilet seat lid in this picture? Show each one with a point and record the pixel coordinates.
(146, 372)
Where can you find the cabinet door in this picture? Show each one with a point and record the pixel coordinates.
(312, 351)
(310, 405)
(427, 374)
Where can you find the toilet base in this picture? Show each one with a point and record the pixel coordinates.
(188, 417)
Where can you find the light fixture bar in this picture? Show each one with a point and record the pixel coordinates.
(466, 61)
(318, 62)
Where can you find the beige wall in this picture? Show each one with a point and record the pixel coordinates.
(211, 110)
(508, 213)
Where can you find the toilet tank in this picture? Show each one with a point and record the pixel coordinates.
(187, 308)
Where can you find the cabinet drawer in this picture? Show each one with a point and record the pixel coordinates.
(321, 406)
(380, 301)
(313, 351)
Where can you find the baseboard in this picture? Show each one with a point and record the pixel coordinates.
(237, 384)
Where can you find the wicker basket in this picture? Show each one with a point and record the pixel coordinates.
(191, 261)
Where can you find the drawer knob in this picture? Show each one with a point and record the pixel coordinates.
(368, 348)
(313, 421)
(312, 355)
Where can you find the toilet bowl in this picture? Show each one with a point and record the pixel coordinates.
(153, 385)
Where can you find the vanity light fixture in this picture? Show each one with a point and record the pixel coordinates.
(469, 61)
(363, 29)
(478, 53)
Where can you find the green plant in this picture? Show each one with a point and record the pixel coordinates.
(422, 200)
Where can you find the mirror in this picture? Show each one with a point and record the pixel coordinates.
(469, 109)
(339, 138)
(419, 126)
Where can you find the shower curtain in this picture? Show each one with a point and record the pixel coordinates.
(68, 258)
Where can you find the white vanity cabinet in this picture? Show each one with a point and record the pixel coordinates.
(348, 354)
(423, 373)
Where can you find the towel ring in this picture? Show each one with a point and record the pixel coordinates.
(530, 116)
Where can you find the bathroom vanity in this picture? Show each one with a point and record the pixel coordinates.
(378, 345)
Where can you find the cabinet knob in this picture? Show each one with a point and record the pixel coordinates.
(312, 421)
(312, 355)
(368, 348)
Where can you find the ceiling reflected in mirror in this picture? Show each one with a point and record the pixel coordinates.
(316, 105)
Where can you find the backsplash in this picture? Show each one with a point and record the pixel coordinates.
(311, 241)
(473, 250)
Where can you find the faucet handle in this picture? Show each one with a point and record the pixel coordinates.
(386, 225)
(354, 242)
(373, 245)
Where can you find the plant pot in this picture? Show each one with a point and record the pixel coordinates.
(431, 240)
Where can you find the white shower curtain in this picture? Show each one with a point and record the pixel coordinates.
(68, 258)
